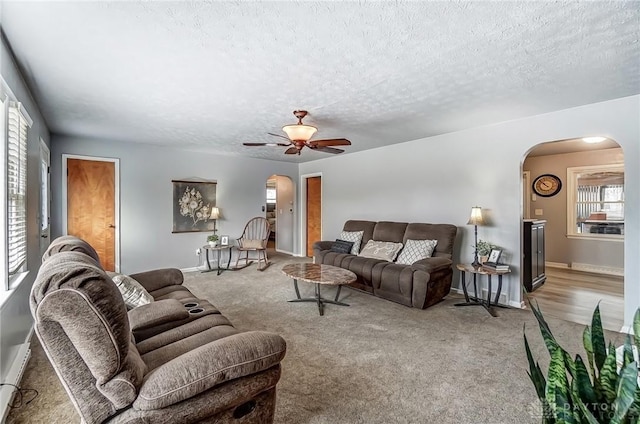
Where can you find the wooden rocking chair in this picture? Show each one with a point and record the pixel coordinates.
(254, 239)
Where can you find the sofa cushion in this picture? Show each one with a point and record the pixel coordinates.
(414, 250)
(353, 236)
(444, 233)
(132, 292)
(384, 250)
(390, 231)
(366, 227)
(342, 246)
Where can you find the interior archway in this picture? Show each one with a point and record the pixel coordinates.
(583, 229)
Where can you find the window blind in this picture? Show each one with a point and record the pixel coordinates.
(16, 189)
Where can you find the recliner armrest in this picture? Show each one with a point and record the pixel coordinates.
(322, 245)
(432, 264)
(156, 313)
(199, 370)
(159, 278)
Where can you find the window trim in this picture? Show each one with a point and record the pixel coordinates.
(572, 188)
(8, 99)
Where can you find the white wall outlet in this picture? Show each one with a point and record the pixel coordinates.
(198, 251)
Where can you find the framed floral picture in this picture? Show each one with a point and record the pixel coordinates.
(192, 204)
(224, 240)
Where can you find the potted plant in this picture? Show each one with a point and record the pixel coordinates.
(213, 240)
(601, 389)
(484, 248)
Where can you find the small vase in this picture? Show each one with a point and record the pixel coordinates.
(483, 259)
(213, 243)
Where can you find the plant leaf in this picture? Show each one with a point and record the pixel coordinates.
(582, 383)
(557, 390)
(627, 352)
(636, 329)
(547, 336)
(597, 339)
(625, 393)
(535, 373)
(585, 415)
(588, 347)
(609, 376)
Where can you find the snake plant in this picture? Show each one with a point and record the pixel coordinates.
(573, 394)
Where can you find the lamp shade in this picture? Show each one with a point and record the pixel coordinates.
(299, 132)
(215, 213)
(476, 216)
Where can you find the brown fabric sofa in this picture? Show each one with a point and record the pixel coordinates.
(181, 367)
(419, 285)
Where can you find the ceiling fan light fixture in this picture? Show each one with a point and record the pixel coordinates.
(299, 132)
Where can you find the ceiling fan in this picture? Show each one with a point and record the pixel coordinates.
(299, 136)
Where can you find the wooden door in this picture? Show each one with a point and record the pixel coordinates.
(91, 213)
(314, 212)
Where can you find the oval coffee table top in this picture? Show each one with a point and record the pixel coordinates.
(318, 273)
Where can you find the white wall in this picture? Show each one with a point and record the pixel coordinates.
(15, 316)
(438, 179)
(146, 172)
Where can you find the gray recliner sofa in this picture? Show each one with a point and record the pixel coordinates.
(182, 368)
(419, 285)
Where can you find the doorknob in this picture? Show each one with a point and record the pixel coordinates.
(112, 226)
(44, 235)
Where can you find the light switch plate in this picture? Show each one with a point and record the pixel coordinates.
(538, 212)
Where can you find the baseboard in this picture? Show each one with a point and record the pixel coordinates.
(14, 375)
(556, 265)
(192, 269)
(597, 269)
(286, 252)
(626, 330)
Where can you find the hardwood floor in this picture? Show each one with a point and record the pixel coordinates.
(573, 295)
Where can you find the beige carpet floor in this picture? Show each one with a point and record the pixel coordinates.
(372, 362)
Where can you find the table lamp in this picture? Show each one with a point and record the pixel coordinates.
(476, 219)
(215, 214)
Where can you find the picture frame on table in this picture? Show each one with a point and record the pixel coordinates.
(224, 240)
(494, 256)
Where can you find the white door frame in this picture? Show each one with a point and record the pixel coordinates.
(303, 210)
(45, 233)
(526, 194)
(116, 162)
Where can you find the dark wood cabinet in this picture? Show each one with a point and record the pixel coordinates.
(533, 275)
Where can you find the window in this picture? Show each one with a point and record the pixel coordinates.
(16, 190)
(595, 202)
(14, 125)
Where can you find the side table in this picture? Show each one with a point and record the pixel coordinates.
(219, 249)
(476, 300)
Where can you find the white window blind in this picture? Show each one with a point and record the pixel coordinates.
(16, 189)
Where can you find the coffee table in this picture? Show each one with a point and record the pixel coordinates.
(318, 274)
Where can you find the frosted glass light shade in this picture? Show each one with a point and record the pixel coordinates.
(476, 216)
(215, 213)
(299, 132)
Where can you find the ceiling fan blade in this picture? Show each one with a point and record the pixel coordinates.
(330, 142)
(328, 150)
(292, 151)
(266, 144)
(278, 135)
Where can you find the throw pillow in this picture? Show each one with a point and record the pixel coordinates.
(355, 237)
(252, 244)
(415, 250)
(385, 250)
(132, 292)
(342, 246)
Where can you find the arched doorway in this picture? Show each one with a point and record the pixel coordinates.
(583, 229)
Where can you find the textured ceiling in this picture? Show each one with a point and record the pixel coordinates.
(210, 75)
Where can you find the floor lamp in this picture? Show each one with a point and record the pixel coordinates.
(476, 219)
